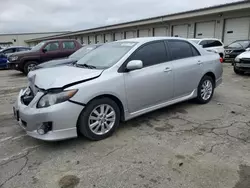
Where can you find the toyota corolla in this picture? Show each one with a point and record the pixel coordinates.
(116, 82)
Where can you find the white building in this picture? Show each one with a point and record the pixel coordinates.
(19, 39)
(228, 22)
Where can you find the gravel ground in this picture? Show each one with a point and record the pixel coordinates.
(182, 146)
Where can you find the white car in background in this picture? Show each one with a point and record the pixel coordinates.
(211, 44)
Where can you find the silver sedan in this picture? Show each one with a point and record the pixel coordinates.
(116, 82)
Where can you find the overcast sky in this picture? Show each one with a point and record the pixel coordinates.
(58, 15)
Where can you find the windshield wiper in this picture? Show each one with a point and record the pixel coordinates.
(85, 65)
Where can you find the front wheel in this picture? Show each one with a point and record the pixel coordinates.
(99, 119)
(29, 66)
(205, 90)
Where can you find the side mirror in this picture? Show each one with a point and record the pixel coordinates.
(248, 49)
(44, 50)
(134, 65)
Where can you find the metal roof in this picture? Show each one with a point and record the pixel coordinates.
(180, 15)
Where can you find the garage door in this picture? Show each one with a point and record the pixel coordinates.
(79, 39)
(144, 33)
(205, 30)
(92, 39)
(118, 36)
(160, 31)
(236, 29)
(130, 34)
(99, 39)
(180, 31)
(108, 37)
(85, 40)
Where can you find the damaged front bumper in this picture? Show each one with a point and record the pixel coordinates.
(58, 121)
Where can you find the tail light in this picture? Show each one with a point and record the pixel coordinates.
(221, 59)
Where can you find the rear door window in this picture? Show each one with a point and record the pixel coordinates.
(67, 45)
(181, 49)
(8, 51)
(151, 54)
(212, 43)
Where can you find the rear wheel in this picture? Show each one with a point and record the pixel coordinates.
(237, 71)
(205, 90)
(29, 66)
(99, 119)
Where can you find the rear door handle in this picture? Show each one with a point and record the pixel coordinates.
(167, 69)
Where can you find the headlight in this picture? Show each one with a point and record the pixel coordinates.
(13, 58)
(50, 99)
(237, 59)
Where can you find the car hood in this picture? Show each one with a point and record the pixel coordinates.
(61, 77)
(58, 62)
(244, 55)
(23, 53)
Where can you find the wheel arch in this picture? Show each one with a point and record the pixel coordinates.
(112, 97)
(212, 75)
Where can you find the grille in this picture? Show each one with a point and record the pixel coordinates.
(228, 51)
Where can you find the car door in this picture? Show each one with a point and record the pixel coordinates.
(68, 48)
(187, 67)
(50, 51)
(153, 84)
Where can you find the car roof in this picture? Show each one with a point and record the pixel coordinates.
(205, 39)
(15, 47)
(59, 40)
(149, 39)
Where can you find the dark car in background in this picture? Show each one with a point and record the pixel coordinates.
(42, 52)
(4, 53)
(71, 59)
(236, 48)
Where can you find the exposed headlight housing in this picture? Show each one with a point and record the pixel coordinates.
(13, 58)
(50, 99)
(237, 59)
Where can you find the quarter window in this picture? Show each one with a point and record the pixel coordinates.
(68, 45)
(180, 49)
(52, 46)
(151, 54)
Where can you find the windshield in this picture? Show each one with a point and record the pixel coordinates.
(106, 55)
(38, 46)
(239, 44)
(195, 41)
(83, 51)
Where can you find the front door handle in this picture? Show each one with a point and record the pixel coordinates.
(199, 62)
(167, 69)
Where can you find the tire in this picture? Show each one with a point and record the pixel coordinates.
(237, 71)
(84, 121)
(201, 99)
(28, 65)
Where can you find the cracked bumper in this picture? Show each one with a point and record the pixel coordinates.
(63, 117)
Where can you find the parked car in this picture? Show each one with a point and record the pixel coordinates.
(242, 63)
(116, 82)
(71, 59)
(4, 53)
(3, 60)
(42, 52)
(236, 48)
(211, 44)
